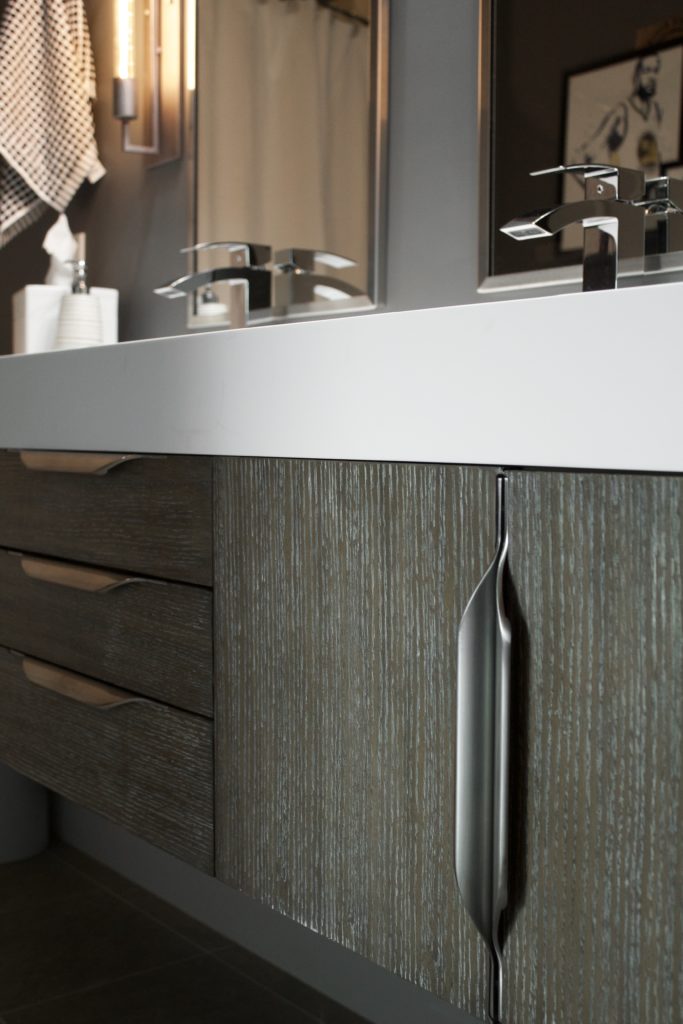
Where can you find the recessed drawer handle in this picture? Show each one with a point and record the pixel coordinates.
(75, 687)
(76, 577)
(86, 463)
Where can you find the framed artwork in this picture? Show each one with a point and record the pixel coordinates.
(626, 113)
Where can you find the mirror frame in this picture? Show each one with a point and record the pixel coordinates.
(566, 278)
(378, 128)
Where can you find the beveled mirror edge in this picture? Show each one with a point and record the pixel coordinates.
(378, 181)
(485, 131)
(378, 149)
(565, 278)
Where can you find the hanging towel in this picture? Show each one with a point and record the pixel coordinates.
(47, 134)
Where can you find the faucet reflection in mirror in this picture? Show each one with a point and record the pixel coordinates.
(147, 69)
(289, 135)
(295, 278)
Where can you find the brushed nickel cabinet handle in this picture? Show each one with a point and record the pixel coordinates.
(85, 463)
(483, 739)
(76, 577)
(79, 688)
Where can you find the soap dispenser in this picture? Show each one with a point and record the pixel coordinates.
(80, 316)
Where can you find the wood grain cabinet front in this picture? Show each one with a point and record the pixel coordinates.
(151, 515)
(339, 589)
(149, 635)
(144, 765)
(106, 574)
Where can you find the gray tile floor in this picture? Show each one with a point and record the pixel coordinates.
(82, 945)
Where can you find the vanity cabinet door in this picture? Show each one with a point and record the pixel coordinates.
(339, 588)
(597, 860)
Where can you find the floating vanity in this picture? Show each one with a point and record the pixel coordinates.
(320, 497)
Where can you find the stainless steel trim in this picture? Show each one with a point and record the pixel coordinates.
(485, 131)
(379, 127)
(482, 761)
(125, 99)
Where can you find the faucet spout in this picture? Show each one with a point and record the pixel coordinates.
(611, 229)
(588, 212)
(258, 279)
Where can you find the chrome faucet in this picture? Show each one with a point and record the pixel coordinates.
(612, 219)
(246, 262)
(298, 280)
(294, 278)
(663, 205)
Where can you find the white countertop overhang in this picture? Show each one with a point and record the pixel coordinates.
(583, 380)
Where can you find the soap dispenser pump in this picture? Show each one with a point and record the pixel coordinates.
(80, 317)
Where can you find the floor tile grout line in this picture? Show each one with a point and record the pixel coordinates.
(202, 949)
(311, 1015)
(100, 984)
(145, 913)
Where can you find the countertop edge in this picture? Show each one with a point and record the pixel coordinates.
(573, 381)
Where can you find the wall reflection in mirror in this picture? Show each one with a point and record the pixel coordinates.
(561, 90)
(289, 132)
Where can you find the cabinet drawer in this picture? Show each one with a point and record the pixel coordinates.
(145, 635)
(150, 515)
(144, 765)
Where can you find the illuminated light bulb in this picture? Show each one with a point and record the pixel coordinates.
(191, 45)
(124, 39)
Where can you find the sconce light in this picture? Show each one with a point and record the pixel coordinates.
(147, 47)
(191, 45)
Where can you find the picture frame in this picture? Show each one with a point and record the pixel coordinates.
(628, 112)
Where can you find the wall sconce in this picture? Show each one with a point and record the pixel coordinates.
(147, 75)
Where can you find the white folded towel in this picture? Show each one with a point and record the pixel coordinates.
(47, 135)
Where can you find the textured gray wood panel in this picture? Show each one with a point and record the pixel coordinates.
(596, 566)
(339, 588)
(153, 637)
(151, 515)
(144, 765)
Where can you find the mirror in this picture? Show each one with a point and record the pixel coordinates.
(289, 130)
(539, 62)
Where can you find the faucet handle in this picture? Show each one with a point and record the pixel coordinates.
(242, 254)
(302, 261)
(663, 195)
(604, 181)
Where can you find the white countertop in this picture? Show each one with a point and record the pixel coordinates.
(582, 380)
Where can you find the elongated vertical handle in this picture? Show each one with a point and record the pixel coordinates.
(483, 707)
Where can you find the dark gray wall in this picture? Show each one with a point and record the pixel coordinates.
(135, 218)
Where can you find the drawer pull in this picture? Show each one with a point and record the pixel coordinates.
(483, 740)
(86, 463)
(76, 577)
(75, 687)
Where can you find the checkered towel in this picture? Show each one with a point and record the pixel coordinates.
(47, 136)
